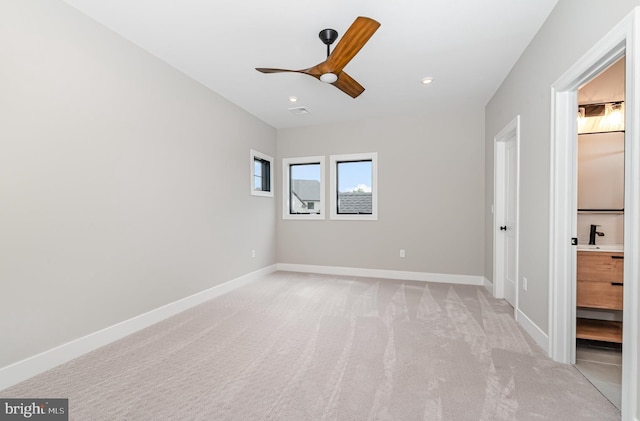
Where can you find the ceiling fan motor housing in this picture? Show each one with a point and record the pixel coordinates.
(328, 36)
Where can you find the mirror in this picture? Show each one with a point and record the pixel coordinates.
(601, 171)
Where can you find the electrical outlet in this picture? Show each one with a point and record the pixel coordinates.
(524, 283)
(253, 253)
(401, 253)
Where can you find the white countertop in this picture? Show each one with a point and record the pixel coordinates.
(601, 247)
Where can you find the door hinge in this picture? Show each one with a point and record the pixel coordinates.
(574, 241)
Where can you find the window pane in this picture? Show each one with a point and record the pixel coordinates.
(261, 173)
(257, 174)
(304, 182)
(354, 180)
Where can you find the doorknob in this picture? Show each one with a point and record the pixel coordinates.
(503, 228)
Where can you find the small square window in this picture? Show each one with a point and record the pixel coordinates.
(354, 186)
(303, 184)
(261, 174)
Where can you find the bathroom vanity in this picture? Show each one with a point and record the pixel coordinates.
(600, 285)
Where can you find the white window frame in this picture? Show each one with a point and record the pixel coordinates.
(333, 200)
(253, 155)
(286, 194)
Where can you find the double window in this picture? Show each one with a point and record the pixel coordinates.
(303, 185)
(353, 187)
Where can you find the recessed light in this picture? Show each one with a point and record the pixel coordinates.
(427, 80)
(293, 99)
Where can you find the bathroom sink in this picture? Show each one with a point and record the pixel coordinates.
(603, 247)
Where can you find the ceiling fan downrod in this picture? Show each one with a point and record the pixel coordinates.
(328, 37)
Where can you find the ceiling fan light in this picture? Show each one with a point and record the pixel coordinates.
(329, 77)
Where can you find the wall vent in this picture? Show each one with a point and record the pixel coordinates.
(299, 110)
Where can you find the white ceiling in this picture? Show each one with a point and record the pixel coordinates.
(467, 46)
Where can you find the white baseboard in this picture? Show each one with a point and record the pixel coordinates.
(387, 274)
(538, 335)
(488, 285)
(29, 367)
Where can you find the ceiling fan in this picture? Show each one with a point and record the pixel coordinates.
(330, 70)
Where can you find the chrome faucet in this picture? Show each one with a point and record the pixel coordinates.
(592, 234)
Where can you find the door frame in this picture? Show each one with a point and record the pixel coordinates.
(499, 175)
(623, 39)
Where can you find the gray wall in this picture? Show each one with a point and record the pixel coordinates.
(572, 28)
(430, 187)
(124, 185)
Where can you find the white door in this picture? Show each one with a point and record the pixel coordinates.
(506, 213)
(510, 220)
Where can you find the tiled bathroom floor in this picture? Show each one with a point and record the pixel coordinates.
(601, 364)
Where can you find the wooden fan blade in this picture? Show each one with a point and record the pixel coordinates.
(348, 85)
(268, 70)
(351, 42)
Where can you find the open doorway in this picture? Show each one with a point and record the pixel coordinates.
(563, 238)
(600, 233)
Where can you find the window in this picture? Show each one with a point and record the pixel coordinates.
(261, 174)
(303, 187)
(354, 185)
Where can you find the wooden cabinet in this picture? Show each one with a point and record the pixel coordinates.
(600, 280)
(601, 286)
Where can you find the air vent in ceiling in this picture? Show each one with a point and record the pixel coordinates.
(299, 110)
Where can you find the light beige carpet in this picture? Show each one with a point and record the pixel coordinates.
(310, 347)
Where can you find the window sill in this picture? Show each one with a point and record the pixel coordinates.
(303, 217)
(354, 217)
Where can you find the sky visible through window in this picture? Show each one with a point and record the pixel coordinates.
(305, 172)
(257, 175)
(354, 176)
